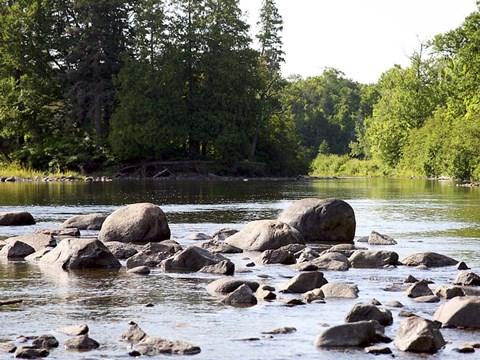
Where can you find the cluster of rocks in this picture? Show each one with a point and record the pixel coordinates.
(34, 347)
(139, 236)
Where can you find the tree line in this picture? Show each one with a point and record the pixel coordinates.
(89, 84)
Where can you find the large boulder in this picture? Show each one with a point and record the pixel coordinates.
(16, 218)
(137, 223)
(419, 335)
(461, 311)
(373, 259)
(364, 312)
(264, 235)
(429, 259)
(77, 253)
(192, 259)
(361, 333)
(331, 220)
(85, 222)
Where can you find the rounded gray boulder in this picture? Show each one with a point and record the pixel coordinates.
(331, 220)
(264, 235)
(136, 223)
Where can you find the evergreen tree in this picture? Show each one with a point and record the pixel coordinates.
(98, 32)
(270, 61)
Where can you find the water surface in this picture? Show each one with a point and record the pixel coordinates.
(420, 215)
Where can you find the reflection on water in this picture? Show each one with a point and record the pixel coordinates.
(420, 215)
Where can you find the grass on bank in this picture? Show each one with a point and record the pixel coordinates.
(16, 170)
(343, 165)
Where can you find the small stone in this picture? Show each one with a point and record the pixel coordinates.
(139, 270)
(418, 289)
(404, 313)
(294, 302)
(134, 334)
(395, 304)
(45, 341)
(378, 350)
(28, 352)
(464, 349)
(74, 330)
(250, 264)
(427, 299)
(8, 347)
(282, 330)
(462, 266)
(82, 342)
(410, 280)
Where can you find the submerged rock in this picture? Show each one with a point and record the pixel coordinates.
(331, 220)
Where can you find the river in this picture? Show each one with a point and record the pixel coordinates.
(421, 215)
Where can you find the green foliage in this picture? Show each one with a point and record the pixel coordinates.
(326, 110)
(343, 165)
(86, 84)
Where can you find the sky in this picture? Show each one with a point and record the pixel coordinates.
(361, 38)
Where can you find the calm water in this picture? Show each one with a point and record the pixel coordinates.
(420, 215)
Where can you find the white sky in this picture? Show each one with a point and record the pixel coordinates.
(361, 38)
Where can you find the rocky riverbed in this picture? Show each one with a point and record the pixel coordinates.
(284, 298)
